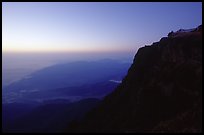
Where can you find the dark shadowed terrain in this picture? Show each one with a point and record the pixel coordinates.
(162, 91)
(52, 116)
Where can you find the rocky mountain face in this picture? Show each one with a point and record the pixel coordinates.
(162, 91)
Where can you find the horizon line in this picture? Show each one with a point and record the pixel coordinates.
(66, 51)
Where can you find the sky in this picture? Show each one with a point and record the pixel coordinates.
(92, 27)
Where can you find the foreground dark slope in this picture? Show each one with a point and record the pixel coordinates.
(162, 91)
(48, 117)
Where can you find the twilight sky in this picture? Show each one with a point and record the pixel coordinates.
(92, 27)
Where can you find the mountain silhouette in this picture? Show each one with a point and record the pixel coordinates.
(162, 91)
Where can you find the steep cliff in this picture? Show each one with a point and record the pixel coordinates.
(162, 91)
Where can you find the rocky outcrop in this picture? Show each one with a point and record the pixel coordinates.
(162, 91)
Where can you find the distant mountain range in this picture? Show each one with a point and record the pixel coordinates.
(49, 99)
(162, 91)
(63, 80)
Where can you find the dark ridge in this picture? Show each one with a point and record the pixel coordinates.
(162, 91)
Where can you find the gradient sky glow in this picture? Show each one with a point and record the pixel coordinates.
(94, 27)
